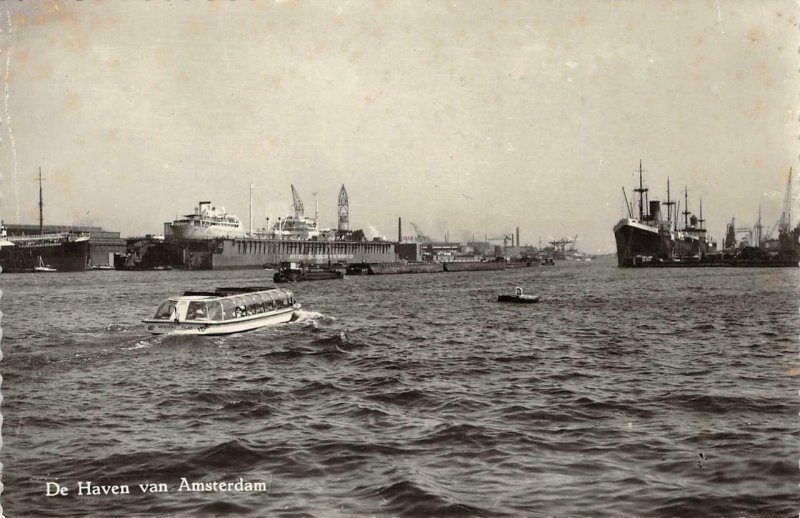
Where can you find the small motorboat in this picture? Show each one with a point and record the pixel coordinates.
(43, 268)
(518, 297)
(224, 311)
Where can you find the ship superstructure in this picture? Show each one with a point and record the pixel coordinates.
(207, 222)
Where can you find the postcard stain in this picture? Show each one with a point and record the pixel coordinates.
(72, 102)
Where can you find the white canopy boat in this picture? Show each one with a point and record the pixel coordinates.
(224, 311)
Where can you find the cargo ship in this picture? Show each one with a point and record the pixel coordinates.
(759, 250)
(652, 241)
(651, 238)
(56, 251)
(62, 252)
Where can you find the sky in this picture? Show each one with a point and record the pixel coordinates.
(466, 118)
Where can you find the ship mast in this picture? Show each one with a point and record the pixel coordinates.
(686, 208)
(758, 227)
(641, 190)
(700, 220)
(251, 209)
(669, 205)
(41, 205)
(786, 216)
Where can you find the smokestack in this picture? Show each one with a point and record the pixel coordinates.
(517, 236)
(399, 230)
(655, 210)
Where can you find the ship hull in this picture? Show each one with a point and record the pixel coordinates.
(635, 240)
(66, 256)
(244, 254)
(204, 233)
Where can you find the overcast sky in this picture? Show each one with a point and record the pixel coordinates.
(467, 117)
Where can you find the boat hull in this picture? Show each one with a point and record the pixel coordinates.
(198, 328)
(518, 299)
(402, 268)
(306, 275)
(63, 256)
(635, 240)
(471, 266)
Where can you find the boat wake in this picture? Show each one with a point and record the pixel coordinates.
(141, 344)
(115, 327)
(313, 317)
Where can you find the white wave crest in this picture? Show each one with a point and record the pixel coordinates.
(312, 316)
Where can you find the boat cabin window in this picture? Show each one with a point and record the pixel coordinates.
(254, 304)
(214, 311)
(166, 311)
(269, 300)
(228, 309)
(241, 307)
(197, 311)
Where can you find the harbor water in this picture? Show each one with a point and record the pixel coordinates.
(663, 392)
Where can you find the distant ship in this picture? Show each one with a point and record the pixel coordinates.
(57, 251)
(207, 222)
(651, 238)
(760, 249)
(212, 239)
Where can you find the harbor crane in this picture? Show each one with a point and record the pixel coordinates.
(560, 245)
(572, 243)
(505, 238)
(298, 204)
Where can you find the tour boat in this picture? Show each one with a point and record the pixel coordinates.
(518, 297)
(224, 311)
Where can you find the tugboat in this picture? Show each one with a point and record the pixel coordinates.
(294, 272)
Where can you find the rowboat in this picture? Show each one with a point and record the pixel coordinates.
(223, 311)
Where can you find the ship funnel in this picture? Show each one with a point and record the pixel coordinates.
(655, 210)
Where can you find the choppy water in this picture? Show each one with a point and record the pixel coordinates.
(649, 392)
